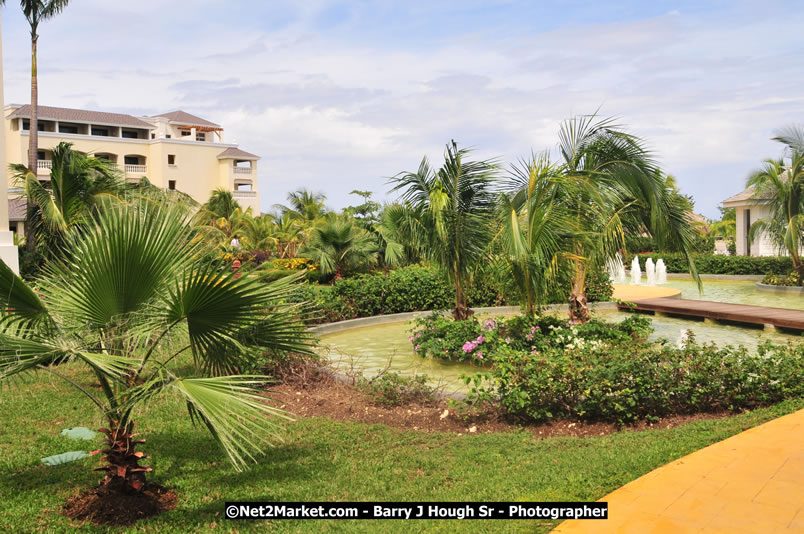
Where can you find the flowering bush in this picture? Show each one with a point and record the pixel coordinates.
(625, 381)
(477, 341)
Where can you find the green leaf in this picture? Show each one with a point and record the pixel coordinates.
(78, 432)
(65, 457)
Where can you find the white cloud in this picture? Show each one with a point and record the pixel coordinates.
(334, 113)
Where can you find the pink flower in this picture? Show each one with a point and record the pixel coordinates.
(469, 346)
(508, 340)
(534, 351)
(416, 348)
(479, 355)
(529, 337)
(480, 339)
(410, 339)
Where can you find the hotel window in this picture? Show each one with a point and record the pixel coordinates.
(172, 185)
(40, 154)
(100, 131)
(63, 128)
(129, 134)
(201, 136)
(26, 125)
(132, 160)
(171, 159)
(185, 133)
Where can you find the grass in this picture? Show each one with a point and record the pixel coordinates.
(323, 460)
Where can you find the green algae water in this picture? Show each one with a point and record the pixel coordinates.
(371, 349)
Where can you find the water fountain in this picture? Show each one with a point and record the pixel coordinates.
(661, 272)
(616, 269)
(636, 272)
(650, 272)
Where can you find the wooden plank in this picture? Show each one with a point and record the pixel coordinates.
(723, 311)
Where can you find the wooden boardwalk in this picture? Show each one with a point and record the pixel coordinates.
(721, 311)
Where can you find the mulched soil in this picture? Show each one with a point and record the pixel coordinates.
(344, 402)
(119, 509)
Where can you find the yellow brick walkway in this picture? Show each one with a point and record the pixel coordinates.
(750, 482)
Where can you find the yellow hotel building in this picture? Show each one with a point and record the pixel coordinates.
(174, 150)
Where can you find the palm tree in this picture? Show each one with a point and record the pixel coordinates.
(289, 233)
(304, 205)
(780, 185)
(132, 296)
(448, 214)
(338, 244)
(613, 187)
(78, 183)
(534, 224)
(259, 233)
(221, 205)
(37, 11)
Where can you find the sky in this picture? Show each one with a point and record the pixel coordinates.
(336, 96)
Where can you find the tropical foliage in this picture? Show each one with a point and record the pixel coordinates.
(133, 297)
(780, 186)
(78, 185)
(447, 216)
(338, 244)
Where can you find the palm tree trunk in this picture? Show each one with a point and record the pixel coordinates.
(798, 267)
(578, 307)
(33, 137)
(123, 472)
(461, 311)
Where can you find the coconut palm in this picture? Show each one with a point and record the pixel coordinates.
(289, 234)
(78, 183)
(36, 12)
(304, 206)
(131, 298)
(448, 214)
(534, 225)
(259, 233)
(338, 244)
(613, 187)
(221, 205)
(780, 185)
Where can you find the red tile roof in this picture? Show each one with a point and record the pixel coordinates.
(236, 153)
(182, 117)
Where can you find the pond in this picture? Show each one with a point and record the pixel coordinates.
(373, 348)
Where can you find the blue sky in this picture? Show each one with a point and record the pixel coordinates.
(337, 96)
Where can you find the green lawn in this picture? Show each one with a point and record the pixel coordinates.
(323, 460)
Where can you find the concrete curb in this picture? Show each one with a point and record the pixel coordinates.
(780, 290)
(685, 276)
(341, 326)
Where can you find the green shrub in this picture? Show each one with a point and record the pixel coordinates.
(392, 389)
(791, 279)
(626, 381)
(721, 264)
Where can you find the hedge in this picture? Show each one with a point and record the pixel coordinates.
(414, 288)
(717, 264)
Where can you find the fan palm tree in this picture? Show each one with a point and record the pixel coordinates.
(77, 185)
(447, 216)
(613, 187)
(132, 296)
(338, 244)
(780, 185)
(36, 12)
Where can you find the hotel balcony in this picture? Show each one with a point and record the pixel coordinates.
(43, 167)
(135, 169)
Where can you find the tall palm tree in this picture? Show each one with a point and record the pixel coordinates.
(78, 184)
(780, 185)
(36, 12)
(133, 295)
(221, 205)
(448, 214)
(338, 244)
(614, 187)
(259, 233)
